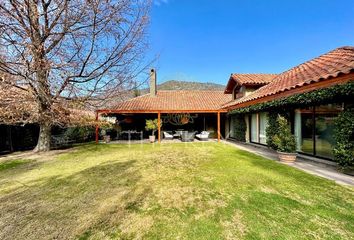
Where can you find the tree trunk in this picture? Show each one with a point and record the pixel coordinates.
(43, 143)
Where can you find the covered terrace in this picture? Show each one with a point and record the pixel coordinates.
(188, 110)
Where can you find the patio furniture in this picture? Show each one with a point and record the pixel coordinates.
(167, 136)
(178, 133)
(187, 136)
(131, 135)
(203, 136)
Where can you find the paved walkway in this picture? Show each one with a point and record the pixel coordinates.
(315, 168)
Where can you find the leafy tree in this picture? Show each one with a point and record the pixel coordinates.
(152, 125)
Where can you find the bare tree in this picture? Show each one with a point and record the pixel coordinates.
(72, 50)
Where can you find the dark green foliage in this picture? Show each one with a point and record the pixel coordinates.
(344, 138)
(335, 94)
(272, 129)
(240, 127)
(79, 134)
(284, 140)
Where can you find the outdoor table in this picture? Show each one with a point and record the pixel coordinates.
(129, 135)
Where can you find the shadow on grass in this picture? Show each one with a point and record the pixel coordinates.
(68, 206)
(11, 164)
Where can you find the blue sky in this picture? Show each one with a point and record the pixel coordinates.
(207, 40)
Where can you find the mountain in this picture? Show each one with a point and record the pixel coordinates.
(169, 85)
(184, 85)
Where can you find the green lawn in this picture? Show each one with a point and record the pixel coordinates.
(168, 191)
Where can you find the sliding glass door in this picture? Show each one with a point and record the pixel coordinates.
(263, 123)
(324, 122)
(258, 125)
(254, 128)
(314, 129)
(304, 130)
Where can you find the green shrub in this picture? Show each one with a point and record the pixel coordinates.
(80, 134)
(152, 125)
(272, 129)
(284, 139)
(240, 127)
(344, 139)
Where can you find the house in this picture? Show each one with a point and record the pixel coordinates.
(177, 110)
(312, 94)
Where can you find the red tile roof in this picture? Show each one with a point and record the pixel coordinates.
(176, 101)
(258, 79)
(331, 64)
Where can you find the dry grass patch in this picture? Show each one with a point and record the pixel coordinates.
(168, 191)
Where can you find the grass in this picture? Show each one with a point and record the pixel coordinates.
(168, 191)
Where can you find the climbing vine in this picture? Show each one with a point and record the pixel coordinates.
(344, 138)
(337, 93)
(240, 127)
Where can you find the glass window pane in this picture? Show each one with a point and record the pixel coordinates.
(263, 123)
(303, 130)
(254, 127)
(324, 119)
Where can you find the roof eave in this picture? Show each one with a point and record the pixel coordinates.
(297, 90)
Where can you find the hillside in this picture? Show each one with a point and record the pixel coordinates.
(169, 85)
(184, 85)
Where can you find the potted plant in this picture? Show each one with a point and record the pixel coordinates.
(105, 131)
(152, 125)
(285, 141)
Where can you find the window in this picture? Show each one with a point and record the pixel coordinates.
(258, 125)
(314, 129)
(324, 125)
(304, 130)
(263, 123)
(254, 128)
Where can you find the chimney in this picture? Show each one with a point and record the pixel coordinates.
(152, 82)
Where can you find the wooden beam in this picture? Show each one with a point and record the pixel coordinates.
(159, 127)
(219, 127)
(97, 128)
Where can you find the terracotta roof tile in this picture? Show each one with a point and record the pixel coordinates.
(331, 64)
(176, 100)
(253, 78)
(248, 79)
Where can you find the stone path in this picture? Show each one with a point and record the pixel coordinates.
(312, 167)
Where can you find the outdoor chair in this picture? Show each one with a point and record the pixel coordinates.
(203, 136)
(167, 136)
(178, 133)
(187, 136)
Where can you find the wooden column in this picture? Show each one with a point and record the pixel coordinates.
(97, 127)
(219, 127)
(159, 127)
